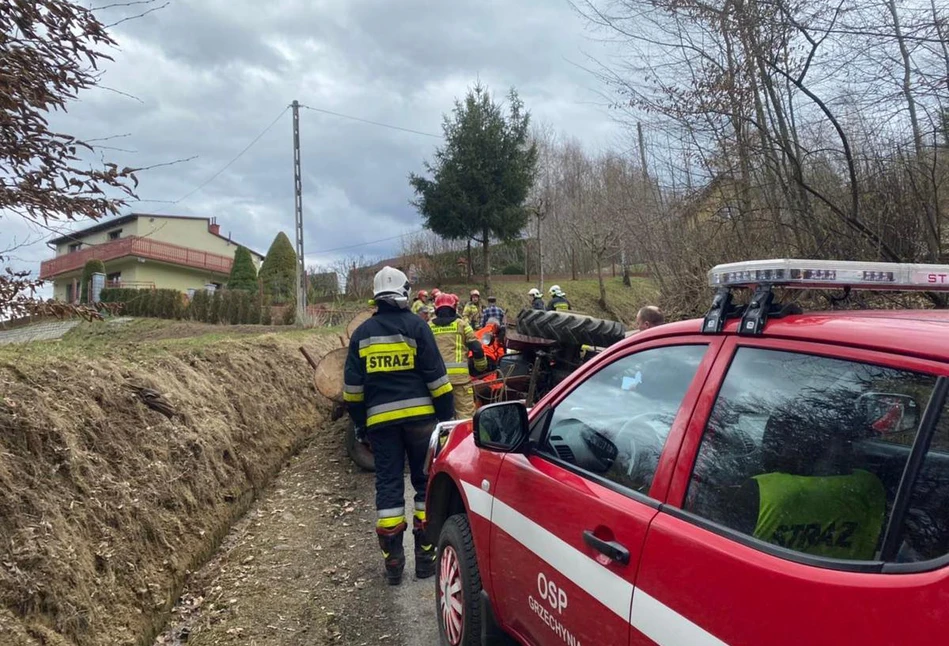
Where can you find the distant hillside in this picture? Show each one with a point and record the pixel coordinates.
(582, 294)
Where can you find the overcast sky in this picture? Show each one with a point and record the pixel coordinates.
(210, 75)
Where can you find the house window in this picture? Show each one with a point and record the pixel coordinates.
(114, 279)
(69, 293)
(114, 235)
(74, 247)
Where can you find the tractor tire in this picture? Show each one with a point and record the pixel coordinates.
(359, 453)
(570, 329)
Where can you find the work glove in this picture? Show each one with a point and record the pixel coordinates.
(361, 434)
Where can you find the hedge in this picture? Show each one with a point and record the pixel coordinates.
(223, 307)
(158, 303)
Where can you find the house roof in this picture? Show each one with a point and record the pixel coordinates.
(104, 225)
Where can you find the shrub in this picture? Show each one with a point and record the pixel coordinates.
(290, 312)
(214, 311)
(278, 274)
(157, 303)
(255, 309)
(92, 267)
(513, 270)
(243, 272)
(266, 314)
(198, 307)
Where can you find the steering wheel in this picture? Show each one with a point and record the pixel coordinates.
(634, 437)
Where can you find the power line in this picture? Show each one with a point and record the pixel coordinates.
(228, 164)
(374, 123)
(366, 244)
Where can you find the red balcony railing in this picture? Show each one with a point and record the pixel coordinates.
(139, 247)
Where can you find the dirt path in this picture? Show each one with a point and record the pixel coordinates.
(303, 567)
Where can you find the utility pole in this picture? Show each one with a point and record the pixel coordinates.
(298, 213)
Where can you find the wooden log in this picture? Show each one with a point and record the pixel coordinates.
(328, 376)
(357, 321)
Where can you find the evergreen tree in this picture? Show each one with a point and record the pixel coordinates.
(278, 273)
(481, 177)
(92, 267)
(243, 272)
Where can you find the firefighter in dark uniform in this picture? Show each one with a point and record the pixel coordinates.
(558, 302)
(396, 387)
(537, 301)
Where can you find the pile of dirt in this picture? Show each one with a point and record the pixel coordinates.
(121, 471)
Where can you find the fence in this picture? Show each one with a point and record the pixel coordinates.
(316, 315)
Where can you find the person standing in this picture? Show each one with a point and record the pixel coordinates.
(421, 300)
(648, 317)
(396, 386)
(472, 311)
(492, 311)
(426, 312)
(455, 338)
(537, 300)
(559, 301)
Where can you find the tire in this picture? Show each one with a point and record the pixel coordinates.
(457, 575)
(358, 452)
(570, 329)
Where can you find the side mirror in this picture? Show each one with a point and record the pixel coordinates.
(501, 427)
(889, 413)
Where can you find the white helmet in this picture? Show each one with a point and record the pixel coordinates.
(555, 290)
(534, 292)
(392, 285)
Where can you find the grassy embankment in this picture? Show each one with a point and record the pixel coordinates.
(623, 302)
(106, 504)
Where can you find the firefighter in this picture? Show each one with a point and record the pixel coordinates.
(472, 311)
(558, 301)
(455, 337)
(421, 300)
(396, 387)
(537, 300)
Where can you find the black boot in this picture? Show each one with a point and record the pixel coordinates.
(424, 553)
(393, 553)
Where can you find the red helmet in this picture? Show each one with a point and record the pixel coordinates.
(422, 293)
(446, 300)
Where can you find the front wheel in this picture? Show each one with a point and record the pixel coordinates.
(458, 586)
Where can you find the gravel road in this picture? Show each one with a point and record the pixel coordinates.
(303, 567)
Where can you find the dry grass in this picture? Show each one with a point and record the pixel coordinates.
(106, 504)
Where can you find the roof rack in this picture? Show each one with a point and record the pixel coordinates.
(763, 275)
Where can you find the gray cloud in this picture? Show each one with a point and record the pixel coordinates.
(211, 74)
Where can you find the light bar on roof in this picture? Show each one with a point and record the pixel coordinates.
(831, 274)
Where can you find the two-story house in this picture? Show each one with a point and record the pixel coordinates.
(146, 251)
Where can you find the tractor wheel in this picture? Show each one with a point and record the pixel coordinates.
(570, 329)
(359, 453)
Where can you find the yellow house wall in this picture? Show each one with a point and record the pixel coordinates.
(128, 267)
(174, 277)
(101, 237)
(187, 233)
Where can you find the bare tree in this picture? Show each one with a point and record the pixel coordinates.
(51, 51)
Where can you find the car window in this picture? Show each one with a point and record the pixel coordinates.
(924, 532)
(616, 422)
(806, 452)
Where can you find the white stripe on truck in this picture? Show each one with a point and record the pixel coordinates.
(657, 621)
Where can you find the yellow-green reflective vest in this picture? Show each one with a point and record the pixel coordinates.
(833, 516)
